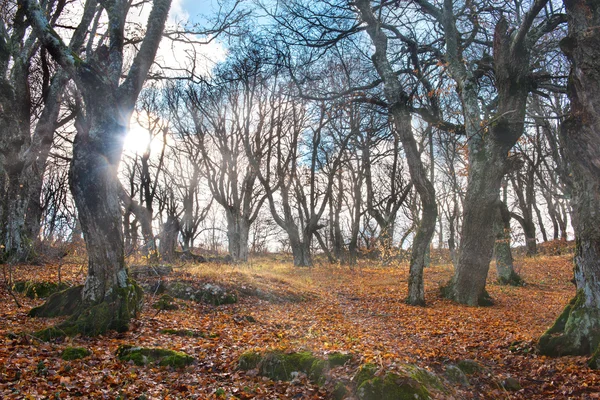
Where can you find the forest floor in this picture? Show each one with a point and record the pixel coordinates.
(321, 309)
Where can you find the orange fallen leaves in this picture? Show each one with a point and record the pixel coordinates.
(361, 311)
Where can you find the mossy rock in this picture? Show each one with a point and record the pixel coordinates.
(511, 384)
(456, 375)
(165, 303)
(62, 303)
(36, 290)
(469, 367)
(340, 391)
(424, 377)
(280, 366)
(317, 371)
(183, 333)
(575, 332)
(157, 356)
(392, 386)
(114, 313)
(74, 353)
(209, 293)
(337, 359)
(365, 373)
(249, 360)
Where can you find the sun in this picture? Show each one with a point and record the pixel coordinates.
(137, 139)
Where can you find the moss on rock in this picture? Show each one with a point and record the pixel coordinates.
(576, 331)
(36, 290)
(114, 313)
(209, 293)
(157, 356)
(340, 391)
(336, 359)
(182, 333)
(249, 360)
(279, 366)
(424, 377)
(392, 386)
(456, 375)
(65, 302)
(469, 367)
(365, 373)
(74, 353)
(165, 303)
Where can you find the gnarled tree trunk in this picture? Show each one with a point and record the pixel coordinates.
(238, 230)
(577, 329)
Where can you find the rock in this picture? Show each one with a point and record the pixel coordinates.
(59, 304)
(157, 356)
(183, 333)
(278, 365)
(41, 290)
(208, 293)
(165, 303)
(469, 367)
(74, 353)
(511, 384)
(249, 360)
(391, 386)
(456, 375)
(147, 271)
(340, 391)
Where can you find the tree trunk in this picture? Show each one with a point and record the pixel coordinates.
(301, 252)
(168, 238)
(577, 329)
(477, 238)
(17, 245)
(95, 188)
(238, 229)
(504, 260)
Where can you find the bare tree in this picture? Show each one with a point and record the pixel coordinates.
(577, 329)
(30, 107)
(108, 101)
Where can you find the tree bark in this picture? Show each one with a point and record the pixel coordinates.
(577, 329)
(504, 260)
(238, 230)
(109, 100)
(398, 108)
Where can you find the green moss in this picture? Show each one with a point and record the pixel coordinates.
(340, 391)
(114, 313)
(392, 387)
(279, 366)
(456, 375)
(182, 333)
(337, 359)
(249, 360)
(65, 302)
(594, 361)
(317, 371)
(469, 367)
(157, 356)
(165, 303)
(576, 331)
(511, 384)
(36, 290)
(512, 280)
(365, 373)
(74, 353)
(424, 377)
